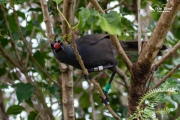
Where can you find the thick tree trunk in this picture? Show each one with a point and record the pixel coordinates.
(141, 69)
(67, 75)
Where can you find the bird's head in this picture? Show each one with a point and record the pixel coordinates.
(56, 46)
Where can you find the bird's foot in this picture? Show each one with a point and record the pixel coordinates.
(106, 100)
(87, 77)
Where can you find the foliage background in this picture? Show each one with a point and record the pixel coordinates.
(28, 91)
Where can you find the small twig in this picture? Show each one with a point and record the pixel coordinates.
(78, 57)
(104, 97)
(10, 33)
(89, 5)
(29, 51)
(122, 74)
(120, 83)
(63, 16)
(97, 6)
(47, 20)
(114, 6)
(173, 50)
(121, 51)
(139, 26)
(90, 90)
(114, 38)
(9, 58)
(78, 80)
(149, 82)
(147, 19)
(166, 77)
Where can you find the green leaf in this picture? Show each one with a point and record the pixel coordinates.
(176, 98)
(57, 1)
(84, 15)
(3, 86)
(16, 36)
(176, 75)
(3, 41)
(15, 109)
(32, 115)
(24, 91)
(40, 58)
(20, 44)
(21, 1)
(35, 9)
(35, 23)
(59, 38)
(2, 71)
(111, 23)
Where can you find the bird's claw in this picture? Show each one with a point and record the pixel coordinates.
(87, 77)
(106, 100)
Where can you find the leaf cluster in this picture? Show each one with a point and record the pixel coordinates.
(146, 108)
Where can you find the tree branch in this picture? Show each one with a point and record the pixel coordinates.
(8, 57)
(114, 38)
(166, 77)
(166, 56)
(90, 91)
(122, 74)
(67, 76)
(47, 21)
(78, 57)
(141, 70)
(156, 40)
(10, 34)
(68, 14)
(114, 6)
(139, 26)
(104, 97)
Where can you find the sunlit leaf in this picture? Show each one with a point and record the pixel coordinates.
(176, 75)
(84, 15)
(111, 23)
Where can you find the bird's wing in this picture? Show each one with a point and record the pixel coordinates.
(91, 39)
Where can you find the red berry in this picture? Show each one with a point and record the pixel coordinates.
(57, 45)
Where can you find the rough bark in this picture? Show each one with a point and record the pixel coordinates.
(67, 75)
(141, 69)
(67, 95)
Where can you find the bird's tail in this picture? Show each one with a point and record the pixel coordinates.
(132, 45)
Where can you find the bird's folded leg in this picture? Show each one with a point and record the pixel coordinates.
(112, 76)
(106, 90)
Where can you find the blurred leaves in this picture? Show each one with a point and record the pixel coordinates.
(39, 57)
(2, 1)
(24, 91)
(32, 115)
(111, 22)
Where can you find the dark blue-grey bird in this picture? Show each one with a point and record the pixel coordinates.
(97, 52)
